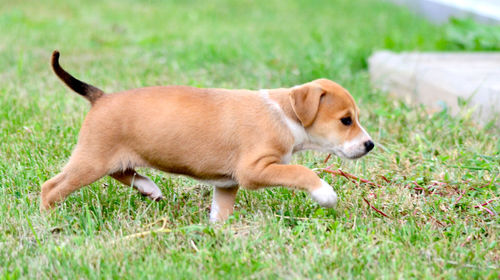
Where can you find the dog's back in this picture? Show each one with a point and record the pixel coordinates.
(151, 126)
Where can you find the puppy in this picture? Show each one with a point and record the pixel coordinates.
(225, 138)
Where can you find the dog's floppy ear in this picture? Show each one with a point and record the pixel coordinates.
(305, 102)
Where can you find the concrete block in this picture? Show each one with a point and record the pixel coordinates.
(434, 78)
(439, 11)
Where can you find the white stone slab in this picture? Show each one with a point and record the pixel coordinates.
(434, 78)
(439, 11)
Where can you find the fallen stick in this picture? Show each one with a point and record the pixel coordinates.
(418, 186)
(486, 209)
(437, 221)
(142, 234)
(484, 204)
(460, 197)
(481, 186)
(355, 179)
(374, 208)
(302, 218)
(327, 158)
(385, 179)
(291, 218)
(351, 177)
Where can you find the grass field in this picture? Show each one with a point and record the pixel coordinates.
(439, 168)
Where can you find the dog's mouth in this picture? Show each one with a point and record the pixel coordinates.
(350, 152)
(357, 156)
(353, 156)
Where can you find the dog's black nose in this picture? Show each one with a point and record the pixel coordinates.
(369, 145)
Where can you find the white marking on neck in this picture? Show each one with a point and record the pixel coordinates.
(268, 100)
(297, 130)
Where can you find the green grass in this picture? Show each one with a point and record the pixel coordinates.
(118, 45)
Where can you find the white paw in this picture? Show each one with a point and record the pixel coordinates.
(155, 196)
(148, 188)
(325, 195)
(214, 212)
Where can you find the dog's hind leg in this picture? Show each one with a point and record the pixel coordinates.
(141, 183)
(223, 203)
(80, 171)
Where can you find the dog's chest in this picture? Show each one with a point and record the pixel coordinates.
(286, 159)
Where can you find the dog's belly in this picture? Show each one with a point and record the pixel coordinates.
(221, 183)
(213, 179)
(211, 175)
(202, 135)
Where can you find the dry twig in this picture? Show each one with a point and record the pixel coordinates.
(374, 208)
(350, 177)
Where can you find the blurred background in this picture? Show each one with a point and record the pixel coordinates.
(438, 167)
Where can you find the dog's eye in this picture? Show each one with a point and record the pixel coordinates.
(346, 121)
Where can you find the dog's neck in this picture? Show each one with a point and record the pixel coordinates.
(281, 98)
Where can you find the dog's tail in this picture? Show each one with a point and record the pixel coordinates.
(88, 91)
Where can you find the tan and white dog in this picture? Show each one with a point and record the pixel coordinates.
(226, 138)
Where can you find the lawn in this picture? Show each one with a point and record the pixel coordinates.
(432, 172)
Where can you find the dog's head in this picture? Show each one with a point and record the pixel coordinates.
(329, 116)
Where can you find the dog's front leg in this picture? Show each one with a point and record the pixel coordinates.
(294, 176)
(222, 203)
